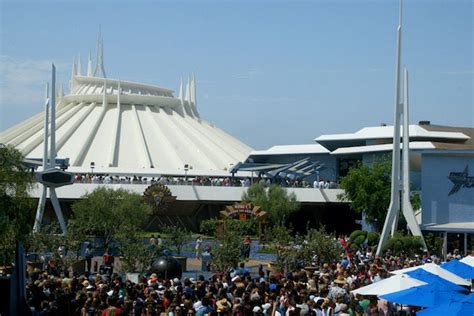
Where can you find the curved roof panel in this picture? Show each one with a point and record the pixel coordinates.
(122, 125)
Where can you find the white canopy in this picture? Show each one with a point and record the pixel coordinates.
(393, 284)
(436, 270)
(469, 260)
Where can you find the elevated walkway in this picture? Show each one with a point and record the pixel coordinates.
(195, 193)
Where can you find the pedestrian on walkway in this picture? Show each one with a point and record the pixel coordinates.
(198, 247)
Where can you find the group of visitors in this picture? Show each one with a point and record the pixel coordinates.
(202, 181)
(322, 290)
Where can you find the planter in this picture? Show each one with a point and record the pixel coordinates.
(182, 261)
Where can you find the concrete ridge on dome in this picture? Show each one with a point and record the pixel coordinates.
(123, 83)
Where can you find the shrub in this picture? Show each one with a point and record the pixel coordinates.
(357, 233)
(241, 227)
(359, 240)
(403, 244)
(373, 238)
(246, 227)
(209, 226)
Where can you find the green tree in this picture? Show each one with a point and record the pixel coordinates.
(16, 207)
(368, 190)
(274, 200)
(226, 254)
(283, 242)
(317, 246)
(136, 255)
(107, 212)
(176, 237)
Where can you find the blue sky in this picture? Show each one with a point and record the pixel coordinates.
(268, 72)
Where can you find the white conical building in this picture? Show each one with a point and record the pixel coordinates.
(128, 127)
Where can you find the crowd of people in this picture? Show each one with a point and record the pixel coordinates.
(202, 181)
(322, 290)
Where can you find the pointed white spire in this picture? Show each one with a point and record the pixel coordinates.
(74, 68)
(194, 90)
(188, 90)
(99, 67)
(89, 66)
(180, 95)
(79, 66)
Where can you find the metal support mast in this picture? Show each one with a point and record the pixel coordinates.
(400, 192)
(51, 166)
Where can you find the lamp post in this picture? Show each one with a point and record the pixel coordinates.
(92, 167)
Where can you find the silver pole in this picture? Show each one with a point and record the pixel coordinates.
(46, 128)
(394, 207)
(53, 118)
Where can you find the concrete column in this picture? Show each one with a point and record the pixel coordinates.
(465, 244)
(445, 244)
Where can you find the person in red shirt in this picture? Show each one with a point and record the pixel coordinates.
(113, 309)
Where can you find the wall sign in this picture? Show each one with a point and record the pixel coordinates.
(460, 180)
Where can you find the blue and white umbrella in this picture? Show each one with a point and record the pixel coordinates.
(425, 296)
(459, 268)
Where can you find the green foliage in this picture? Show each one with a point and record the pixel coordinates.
(49, 239)
(368, 190)
(359, 240)
(356, 233)
(294, 252)
(415, 200)
(16, 208)
(358, 237)
(319, 244)
(373, 238)
(283, 242)
(208, 227)
(226, 254)
(404, 244)
(107, 212)
(274, 200)
(354, 247)
(242, 227)
(136, 255)
(176, 237)
(434, 244)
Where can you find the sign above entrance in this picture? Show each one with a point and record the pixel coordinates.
(243, 211)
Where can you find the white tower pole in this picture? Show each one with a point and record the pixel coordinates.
(407, 208)
(42, 200)
(46, 128)
(394, 207)
(53, 118)
(54, 197)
